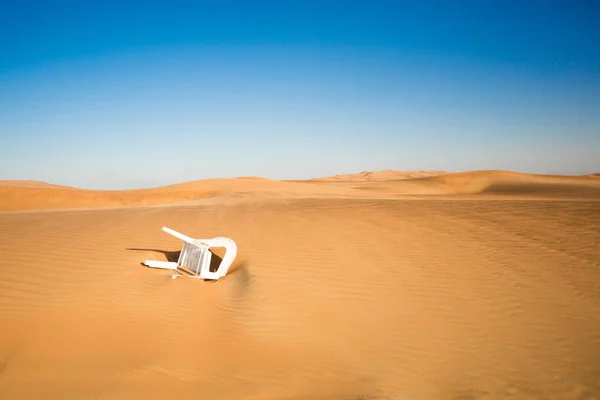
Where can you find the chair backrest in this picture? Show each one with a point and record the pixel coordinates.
(194, 258)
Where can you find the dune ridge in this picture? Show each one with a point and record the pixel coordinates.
(389, 184)
(490, 182)
(30, 184)
(385, 175)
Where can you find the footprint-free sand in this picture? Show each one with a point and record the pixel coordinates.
(422, 285)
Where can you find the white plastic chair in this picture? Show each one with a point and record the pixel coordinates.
(195, 256)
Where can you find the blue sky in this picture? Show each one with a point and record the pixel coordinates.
(111, 95)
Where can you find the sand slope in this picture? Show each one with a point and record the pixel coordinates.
(340, 291)
(330, 298)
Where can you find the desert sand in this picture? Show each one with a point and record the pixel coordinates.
(379, 285)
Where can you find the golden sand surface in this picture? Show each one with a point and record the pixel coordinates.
(475, 285)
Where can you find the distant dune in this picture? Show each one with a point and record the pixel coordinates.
(503, 182)
(28, 184)
(32, 195)
(386, 175)
(15, 198)
(257, 178)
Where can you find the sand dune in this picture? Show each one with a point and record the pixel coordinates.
(30, 198)
(254, 178)
(28, 184)
(19, 196)
(494, 183)
(338, 298)
(340, 291)
(385, 175)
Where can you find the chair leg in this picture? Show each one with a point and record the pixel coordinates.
(160, 264)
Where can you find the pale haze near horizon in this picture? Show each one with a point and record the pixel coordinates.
(111, 98)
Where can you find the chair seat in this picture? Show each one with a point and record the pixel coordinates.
(195, 256)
